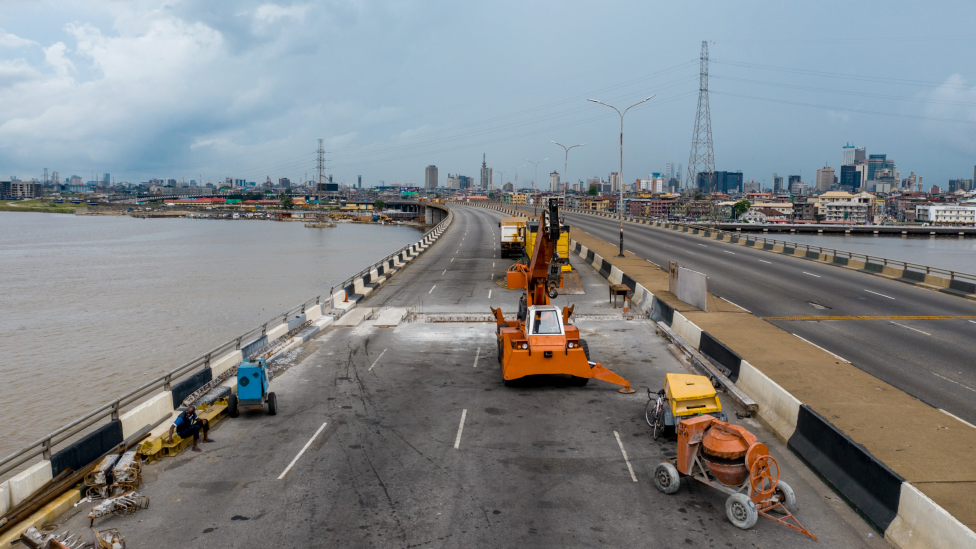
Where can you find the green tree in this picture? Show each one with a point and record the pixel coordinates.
(379, 204)
(286, 201)
(594, 190)
(741, 207)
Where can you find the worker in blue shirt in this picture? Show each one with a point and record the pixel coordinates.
(187, 424)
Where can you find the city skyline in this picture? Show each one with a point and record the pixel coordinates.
(78, 94)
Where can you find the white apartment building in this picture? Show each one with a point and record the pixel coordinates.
(946, 214)
(847, 212)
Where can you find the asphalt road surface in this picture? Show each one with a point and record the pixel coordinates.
(929, 359)
(406, 437)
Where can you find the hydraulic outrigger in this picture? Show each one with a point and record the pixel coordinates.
(540, 340)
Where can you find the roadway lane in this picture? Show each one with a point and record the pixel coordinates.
(929, 359)
(406, 437)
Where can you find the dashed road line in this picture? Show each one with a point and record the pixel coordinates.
(956, 382)
(489, 294)
(910, 328)
(624, 452)
(432, 289)
(457, 441)
(307, 444)
(811, 274)
(876, 293)
(377, 359)
(445, 272)
(764, 261)
(476, 357)
(728, 252)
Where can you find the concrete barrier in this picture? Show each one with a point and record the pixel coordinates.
(226, 362)
(147, 413)
(686, 330)
(27, 481)
(777, 408)
(296, 321)
(276, 332)
(89, 447)
(923, 524)
(313, 313)
(867, 483)
(186, 387)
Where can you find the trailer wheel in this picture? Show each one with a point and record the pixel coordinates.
(741, 511)
(786, 496)
(233, 410)
(666, 478)
(272, 404)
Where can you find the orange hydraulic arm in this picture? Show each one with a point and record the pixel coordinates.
(540, 266)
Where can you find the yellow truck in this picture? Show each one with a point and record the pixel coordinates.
(512, 235)
(562, 246)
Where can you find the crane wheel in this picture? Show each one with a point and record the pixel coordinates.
(552, 291)
(577, 381)
(586, 349)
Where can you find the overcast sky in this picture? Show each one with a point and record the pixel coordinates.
(171, 89)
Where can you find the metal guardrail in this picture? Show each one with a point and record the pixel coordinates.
(883, 261)
(44, 446)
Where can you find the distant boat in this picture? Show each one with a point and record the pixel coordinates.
(59, 201)
(76, 201)
(92, 203)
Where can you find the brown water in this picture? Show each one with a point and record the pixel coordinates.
(951, 253)
(92, 307)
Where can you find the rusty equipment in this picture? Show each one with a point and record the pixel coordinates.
(540, 340)
(127, 473)
(683, 395)
(99, 539)
(98, 479)
(730, 459)
(121, 505)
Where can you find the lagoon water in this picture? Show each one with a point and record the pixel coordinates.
(952, 253)
(92, 307)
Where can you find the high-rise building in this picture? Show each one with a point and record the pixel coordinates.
(430, 177)
(283, 182)
(850, 177)
(720, 182)
(106, 180)
(847, 155)
(359, 180)
(615, 182)
(777, 183)
(793, 179)
(554, 183)
(878, 162)
(825, 178)
(860, 154)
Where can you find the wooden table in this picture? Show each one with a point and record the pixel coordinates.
(618, 290)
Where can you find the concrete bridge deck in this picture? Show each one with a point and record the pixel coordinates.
(535, 466)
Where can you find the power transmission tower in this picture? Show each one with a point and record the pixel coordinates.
(702, 158)
(321, 166)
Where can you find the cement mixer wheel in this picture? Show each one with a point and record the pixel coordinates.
(741, 511)
(666, 478)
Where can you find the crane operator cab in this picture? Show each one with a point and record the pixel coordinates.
(546, 321)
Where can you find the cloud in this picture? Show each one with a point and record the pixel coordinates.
(56, 58)
(954, 105)
(269, 13)
(8, 40)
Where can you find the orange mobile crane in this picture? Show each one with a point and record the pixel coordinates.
(540, 340)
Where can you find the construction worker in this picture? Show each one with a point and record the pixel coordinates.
(187, 424)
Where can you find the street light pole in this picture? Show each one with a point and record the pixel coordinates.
(620, 174)
(536, 181)
(566, 166)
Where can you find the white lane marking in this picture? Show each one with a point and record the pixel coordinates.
(728, 252)
(489, 294)
(432, 289)
(910, 328)
(954, 416)
(457, 441)
(876, 293)
(452, 260)
(824, 350)
(493, 276)
(476, 357)
(492, 263)
(973, 321)
(703, 246)
(445, 272)
(624, 452)
(811, 274)
(764, 261)
(307, 444)
(377, 359)
(956, 382)
(739, 306)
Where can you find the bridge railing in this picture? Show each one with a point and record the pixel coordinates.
(876, 260)
(44, 447)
